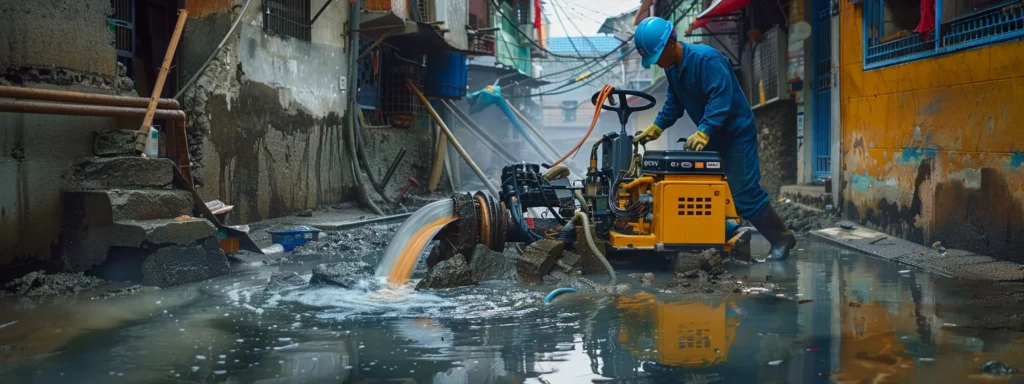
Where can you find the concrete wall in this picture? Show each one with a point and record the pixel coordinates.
(266, 117)
(933, 150)
(63, 45)
(57, 33)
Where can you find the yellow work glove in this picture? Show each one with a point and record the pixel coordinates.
(651, 133)
(697, 141)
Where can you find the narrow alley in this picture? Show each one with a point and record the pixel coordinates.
(511, 191)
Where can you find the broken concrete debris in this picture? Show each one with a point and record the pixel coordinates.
(178, 265)
(487, 264)
(451, 273)
(40, 284)
(284, 280)
(347, 274)
(538, 258)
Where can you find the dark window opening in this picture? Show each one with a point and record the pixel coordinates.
(287, 18)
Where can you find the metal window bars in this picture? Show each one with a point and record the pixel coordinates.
(287, 18)
(988, 24)
(122, 25)
(382, 92)
(997, 23)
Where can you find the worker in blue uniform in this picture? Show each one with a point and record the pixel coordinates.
(701, 83)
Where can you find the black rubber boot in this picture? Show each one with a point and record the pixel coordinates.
(774, 230)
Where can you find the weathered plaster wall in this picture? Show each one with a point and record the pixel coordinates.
(57, 33)
(36, 153)
(266, 117)
(53, 44)
(777, 145)
(933, 150)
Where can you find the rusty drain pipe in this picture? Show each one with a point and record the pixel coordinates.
(84, 98)
(18, 106)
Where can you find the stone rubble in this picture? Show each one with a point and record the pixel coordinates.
(451, 273)
(40, 283)
(346, 274)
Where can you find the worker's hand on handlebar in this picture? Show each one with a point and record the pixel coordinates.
(697, 141)
(651, 133)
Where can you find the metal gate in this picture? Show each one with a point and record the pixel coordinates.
(821, 123)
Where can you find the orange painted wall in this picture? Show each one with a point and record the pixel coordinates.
(200, 8)
(933, 150)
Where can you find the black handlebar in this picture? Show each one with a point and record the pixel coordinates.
(624, 109)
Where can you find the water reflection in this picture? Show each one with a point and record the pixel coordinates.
(844, 318)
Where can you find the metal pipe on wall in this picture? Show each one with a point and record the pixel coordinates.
(84, 98)
(46, 108)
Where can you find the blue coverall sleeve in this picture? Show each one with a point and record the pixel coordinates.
(670, 109)
(715, 83)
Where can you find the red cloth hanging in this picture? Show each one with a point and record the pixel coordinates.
(536, 15)
(927, 23)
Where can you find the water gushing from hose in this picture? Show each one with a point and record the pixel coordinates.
(405, 247)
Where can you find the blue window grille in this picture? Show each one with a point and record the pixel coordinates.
(122, 25)
(998, 21)
(821, 96)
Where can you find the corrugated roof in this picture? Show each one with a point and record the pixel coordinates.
(593, 45)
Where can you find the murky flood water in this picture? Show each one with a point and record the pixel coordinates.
(868, 320)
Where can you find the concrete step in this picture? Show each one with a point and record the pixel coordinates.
(88, 245)
(178, 231)
(114, 142)
(107, 206)
(96, 173)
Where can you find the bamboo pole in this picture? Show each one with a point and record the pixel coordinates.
(147, 121)
(455, 142)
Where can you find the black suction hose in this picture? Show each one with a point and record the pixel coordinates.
(361, 154)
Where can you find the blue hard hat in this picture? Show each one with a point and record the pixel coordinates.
(650, 38)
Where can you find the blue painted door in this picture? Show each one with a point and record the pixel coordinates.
(821, 92)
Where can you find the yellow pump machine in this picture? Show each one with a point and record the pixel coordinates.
(665, 202)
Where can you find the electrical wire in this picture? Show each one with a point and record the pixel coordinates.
(573, 23)
(558, 90)
(213, 54)
(530, 39)
(566, 30)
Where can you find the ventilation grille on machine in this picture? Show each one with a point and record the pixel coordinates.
(694, 206)
(695, 338)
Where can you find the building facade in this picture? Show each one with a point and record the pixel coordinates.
(932, 144)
